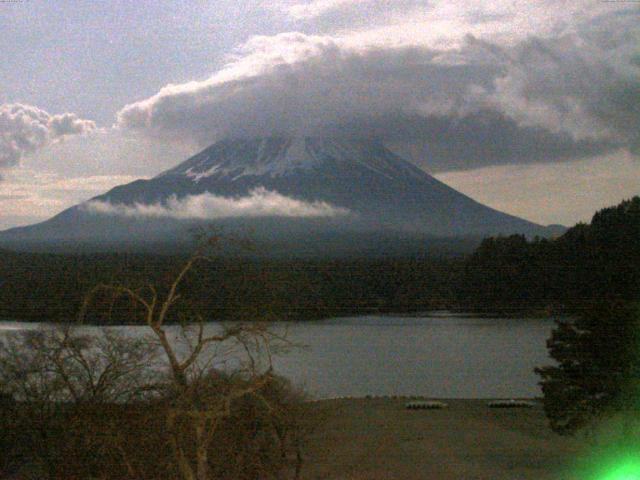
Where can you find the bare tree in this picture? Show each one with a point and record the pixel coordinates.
(189, 400)
(210, 368)
(52, 374)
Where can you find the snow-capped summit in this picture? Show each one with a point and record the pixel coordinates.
(283, 184)
(288, 156)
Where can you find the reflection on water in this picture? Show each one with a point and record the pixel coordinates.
(439, 356)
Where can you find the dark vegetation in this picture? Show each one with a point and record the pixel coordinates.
(51, 287)
(592, 262)
(98, 439)
(131, 442)
(597, 348)
(183, 402)
(508, 276)
(598, 367)
(79, 407)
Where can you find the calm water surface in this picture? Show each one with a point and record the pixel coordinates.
(439, 356)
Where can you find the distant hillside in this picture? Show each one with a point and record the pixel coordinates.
(291, 190)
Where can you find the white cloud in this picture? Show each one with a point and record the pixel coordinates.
(457, 84)
(577, 84)
(296, 83)
(586, 83)
(77, 169)
(437, 23)
(24, 129)
(316, 8)
(206, 206)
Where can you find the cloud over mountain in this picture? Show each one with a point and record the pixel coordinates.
(24, 129)
(565, 97)
(587, 84)
(297, 83)
(206, 206)
(456, 86)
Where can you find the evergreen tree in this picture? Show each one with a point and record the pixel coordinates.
(598, 366)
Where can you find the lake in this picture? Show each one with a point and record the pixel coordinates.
(439, 356)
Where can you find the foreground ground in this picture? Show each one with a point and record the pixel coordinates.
(376, 439)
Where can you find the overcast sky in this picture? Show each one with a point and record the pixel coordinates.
(530, 107)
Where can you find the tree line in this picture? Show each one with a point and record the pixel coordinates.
(595, 381)
(51, 287)
(507, 276)
(566, 275)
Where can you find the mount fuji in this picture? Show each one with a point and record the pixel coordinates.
(282, 188)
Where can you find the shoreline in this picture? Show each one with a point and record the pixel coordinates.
(432, 314)
(536, 400)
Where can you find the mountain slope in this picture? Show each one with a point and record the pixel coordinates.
(370, 188)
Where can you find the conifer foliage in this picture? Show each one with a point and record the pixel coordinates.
(598, 366)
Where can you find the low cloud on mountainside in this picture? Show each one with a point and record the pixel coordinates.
(259, 203)
(25, 129)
